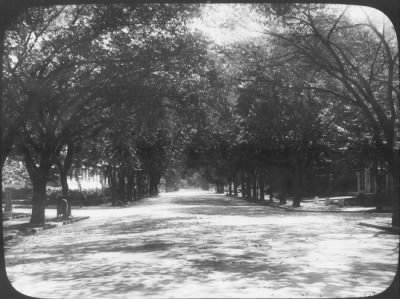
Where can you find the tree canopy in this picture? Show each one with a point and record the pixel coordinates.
(145, 91)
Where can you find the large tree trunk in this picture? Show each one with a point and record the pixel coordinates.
(39, 200)
(38, 175)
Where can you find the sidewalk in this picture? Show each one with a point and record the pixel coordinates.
(382, 220)
(16, 227)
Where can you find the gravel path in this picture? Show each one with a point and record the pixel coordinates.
(198, 244)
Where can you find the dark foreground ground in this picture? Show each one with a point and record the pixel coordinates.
(198, 244)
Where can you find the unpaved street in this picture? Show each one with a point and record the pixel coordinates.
(199, 244)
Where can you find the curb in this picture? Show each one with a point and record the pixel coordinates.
(129, 204)
(295, 210)
(318, 211)
(34, 230)
(391, 229)
(7, 218)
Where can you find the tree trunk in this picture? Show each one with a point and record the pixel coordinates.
(243, 185)
(254, 179)
(285, 187)
(65, 191)
(154, 181)
(38, 201)
(282, 198)
(78, 181)
(235, 187)
(297, 185)
(121, 185)
(248, 186)
(146, 185)
(114, 187)
(140, 185)
(378, 190)
(378, 193)
(261, 186)
(64, 167)
(220, 187)
(135, 186)
(230, 187)
(130, 186)
(151, 185)
(38, 175)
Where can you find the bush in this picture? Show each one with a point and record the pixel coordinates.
(23, 193)
(85, 198)
(366, 199)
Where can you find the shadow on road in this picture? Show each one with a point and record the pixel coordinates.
(205, 247)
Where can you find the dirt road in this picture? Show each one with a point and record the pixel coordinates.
(198, 244)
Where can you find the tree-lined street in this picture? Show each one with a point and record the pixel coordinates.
(108, 109)
(199, 244)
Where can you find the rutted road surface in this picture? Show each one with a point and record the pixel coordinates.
(198, 244)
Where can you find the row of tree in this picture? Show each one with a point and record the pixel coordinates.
(316, 91)
(133, 89)
(97, 84)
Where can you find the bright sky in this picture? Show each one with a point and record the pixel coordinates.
(360, 13)
(227, 23)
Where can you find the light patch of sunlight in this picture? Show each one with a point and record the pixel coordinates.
(359, 13)
(104, 255)
(227, 23)
(231, 251)
(239, 220)
(220, 285)
(187, 192)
